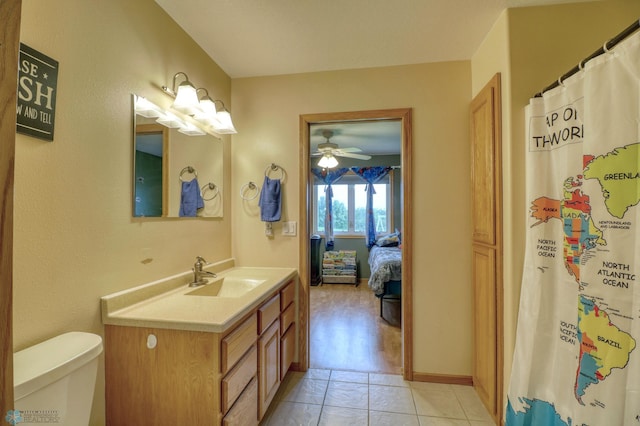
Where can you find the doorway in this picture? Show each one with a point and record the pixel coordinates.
(306, 193)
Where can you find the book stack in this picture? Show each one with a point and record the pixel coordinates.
(339, 267)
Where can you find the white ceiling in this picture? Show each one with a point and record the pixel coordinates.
(269, 37)
(249, 38)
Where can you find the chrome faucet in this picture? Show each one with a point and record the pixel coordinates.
(198, 273)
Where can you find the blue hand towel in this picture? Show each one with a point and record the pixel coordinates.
(270, 200)
(190, 199)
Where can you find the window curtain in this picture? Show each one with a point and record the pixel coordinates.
(371, 175)
(576, 358)
(329, 176)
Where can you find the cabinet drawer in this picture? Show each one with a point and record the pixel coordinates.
(244, 410)
(268, 313)
(287, 318)
(287, 295)
(287, 351)
(237, 343)
(238, 377)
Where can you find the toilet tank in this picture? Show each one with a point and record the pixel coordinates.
(54, 380)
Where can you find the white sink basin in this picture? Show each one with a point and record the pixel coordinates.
(227, 287)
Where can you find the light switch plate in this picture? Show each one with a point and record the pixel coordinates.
(289, 229)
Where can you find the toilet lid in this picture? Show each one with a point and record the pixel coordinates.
(46, 362)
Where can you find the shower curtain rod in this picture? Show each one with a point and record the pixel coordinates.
(607, 46)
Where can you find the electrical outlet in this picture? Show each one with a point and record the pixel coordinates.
(289, 229)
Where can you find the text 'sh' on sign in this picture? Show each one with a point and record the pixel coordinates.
(37, 87)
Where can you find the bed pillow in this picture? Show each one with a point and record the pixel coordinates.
(391, 240)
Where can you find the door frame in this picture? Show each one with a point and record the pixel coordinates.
(306, 120)
(10, 10)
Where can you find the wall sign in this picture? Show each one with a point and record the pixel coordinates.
(37, 87)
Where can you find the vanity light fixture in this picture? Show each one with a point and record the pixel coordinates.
(202, 109)
(328, 161)
(225, 125)
(170, 120)
(207, 113)
(186, 97)
(191, 130)
(146, 109)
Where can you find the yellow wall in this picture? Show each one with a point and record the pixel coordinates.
(75, 239)
(533, 47)
(266, 113)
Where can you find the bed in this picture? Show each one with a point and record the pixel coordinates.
(386, 277)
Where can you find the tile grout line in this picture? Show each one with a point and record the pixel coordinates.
(337, 378)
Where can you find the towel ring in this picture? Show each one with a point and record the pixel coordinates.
(273, 168)
(188, 169)
(252, 187)
(211, 187)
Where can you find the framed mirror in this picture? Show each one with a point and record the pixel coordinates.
(174, 174)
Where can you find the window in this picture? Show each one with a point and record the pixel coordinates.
(349, 205)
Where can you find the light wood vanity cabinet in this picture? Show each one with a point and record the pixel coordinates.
(200, 378)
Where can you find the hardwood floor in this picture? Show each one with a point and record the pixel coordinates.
(347, 332)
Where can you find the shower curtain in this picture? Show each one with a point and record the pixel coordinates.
(576, 359)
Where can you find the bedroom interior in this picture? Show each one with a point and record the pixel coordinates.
(355, 302)
(385, 136)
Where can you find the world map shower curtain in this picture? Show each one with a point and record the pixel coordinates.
(576, 359)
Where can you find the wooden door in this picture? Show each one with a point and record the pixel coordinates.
(486, 190)
(9, 40)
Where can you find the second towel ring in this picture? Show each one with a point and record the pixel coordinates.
(251, 187)
(273, 168)
(211, 187)
(188, 169)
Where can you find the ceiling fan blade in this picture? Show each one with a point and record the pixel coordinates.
(350, 149)
(349, 155)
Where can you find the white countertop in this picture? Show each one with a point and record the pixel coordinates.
(164, 303)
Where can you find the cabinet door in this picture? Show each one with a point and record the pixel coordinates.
(269, 367)
(487, 246)
(484, 302)
(288, 348)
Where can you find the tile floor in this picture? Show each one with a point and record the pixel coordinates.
(335, 397)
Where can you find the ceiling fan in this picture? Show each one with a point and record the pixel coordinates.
(329, 150)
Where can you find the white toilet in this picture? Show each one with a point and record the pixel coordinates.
(54, 380)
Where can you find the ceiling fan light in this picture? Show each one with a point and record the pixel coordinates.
(328, 161)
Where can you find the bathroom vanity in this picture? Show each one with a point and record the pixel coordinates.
(214, 354)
